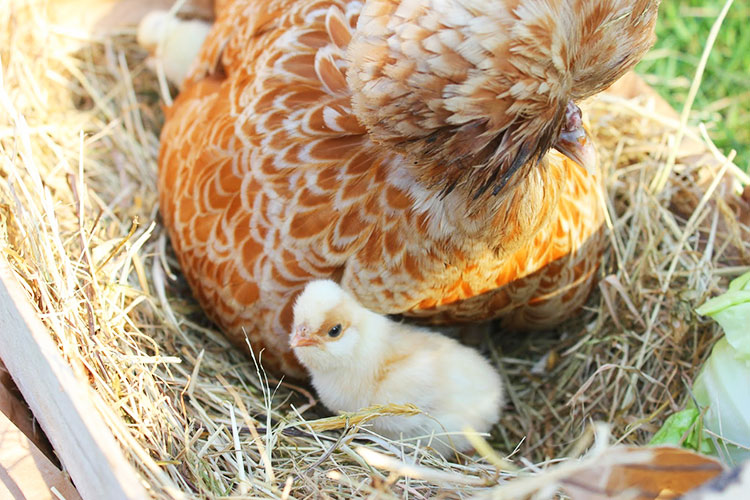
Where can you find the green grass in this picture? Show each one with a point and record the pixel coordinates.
(723, 101)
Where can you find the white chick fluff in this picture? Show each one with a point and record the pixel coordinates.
(358, 358)
(174, 43)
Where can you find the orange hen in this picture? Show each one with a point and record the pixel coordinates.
(410, 150)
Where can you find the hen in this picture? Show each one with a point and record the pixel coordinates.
(425, 154)
(357, 358)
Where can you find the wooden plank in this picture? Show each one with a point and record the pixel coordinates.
(60, 402)
(17, 412)
(25, 472)
(20, 414)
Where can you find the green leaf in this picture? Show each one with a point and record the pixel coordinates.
(684, 429)
(674, 430)
(732, 311)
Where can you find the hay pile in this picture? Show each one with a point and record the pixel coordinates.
(80, 227)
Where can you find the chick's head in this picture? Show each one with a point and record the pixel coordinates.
(324, 332)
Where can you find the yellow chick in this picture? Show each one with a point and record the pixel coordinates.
(173, 42)
(357, 358)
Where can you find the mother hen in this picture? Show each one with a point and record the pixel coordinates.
(426, 154)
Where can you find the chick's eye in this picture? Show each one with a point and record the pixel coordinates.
(335, 331)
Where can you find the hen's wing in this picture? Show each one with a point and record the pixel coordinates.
(266, 178)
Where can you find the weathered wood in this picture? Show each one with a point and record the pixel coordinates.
(60, 402)
(25, 472)
(20, 414)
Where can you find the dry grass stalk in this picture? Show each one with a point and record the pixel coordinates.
(79, 215)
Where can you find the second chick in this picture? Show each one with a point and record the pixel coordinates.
(357, 358)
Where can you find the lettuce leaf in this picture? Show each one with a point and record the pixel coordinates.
(732, 311)
(722, 388)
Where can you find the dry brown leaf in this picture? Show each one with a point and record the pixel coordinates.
(632, 86)
(643, 473)
(731, 485)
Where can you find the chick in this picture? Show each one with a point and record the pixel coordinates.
(173, 42)
(357, 358)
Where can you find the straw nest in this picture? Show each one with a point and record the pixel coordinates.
(80, 227)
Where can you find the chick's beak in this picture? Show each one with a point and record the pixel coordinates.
(301, 337)
(574, 142)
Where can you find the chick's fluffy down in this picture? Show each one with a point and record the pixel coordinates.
(454, 385)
